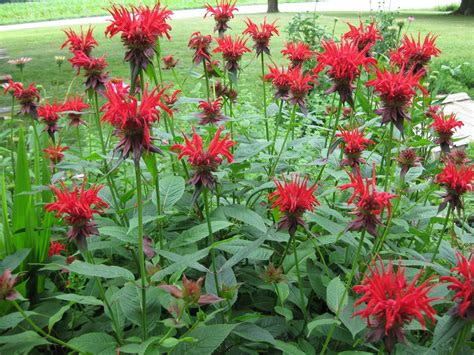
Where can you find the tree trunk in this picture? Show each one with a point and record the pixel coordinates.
(272, 6)
(466, 8)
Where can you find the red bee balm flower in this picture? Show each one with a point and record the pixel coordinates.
(49, 114)
(280, 80)
(170, 100)
(293, 198)
(297, 53)
(191, 292)
(205, 162)
(370, 203)
(55, 153)
(96, 76)
(344, 60)
(77, 209)
(83, 42)
(212, 68)
(456, 181)
(74, 107)
(407, 159)
(396, 91)
(132, 120)
(7, 286)
(210, 112)
(200, 44)
(232, 50)
(299, 86)
(444, 127)
(391, 302)
(169, 62)
(223, 12)
(363, 37)
(27, 98)
(55, 248)
(354, 144)
(413, 53)
(261, 36)
(140, 28)
(463, 285)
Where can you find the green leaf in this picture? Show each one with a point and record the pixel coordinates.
(95, 343)
(13, 261)
(334, 293)
(245, 252)
(253, 332)
(246, 151)
(131, 305)
(198, 232)
(117, 232)
(104, 271)
(208, 338)
(354, 324)
(320, 322)
(288, 348)
(446, 328)
(13, 319)
(171, 190)
(245, 215)
(21, 343)
(87, 300)
(57, 316)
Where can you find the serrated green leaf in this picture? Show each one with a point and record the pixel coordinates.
(198, 233)
(208, 338)
(104, 271)
(171, 190)
(320, 322)
(87, 300)
(95, 343)
(334, 293)
(245, 215)
(57, 316)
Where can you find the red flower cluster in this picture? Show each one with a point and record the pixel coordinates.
(344, 61)
(212, 68)
(55, 248)
(7, 286)
(261, 36)
(55, 153)
(415, 54)
(140, 28)
(191, 292)
(169, 62)
(444, 127)
(297, 53)
(84, 42)
(280, 81)
(49, 114)
(210, 112)
(300, 84)
(408, 159)
(354, 144)
(395, 89)
(391, 302)
(457, 181)
(200, 44)
(370, 202)
(222, 90)
(223, 12)
(232, 50)
(74, 107)
(170, 100)
(293, 198)
(27, 98)
(77, 209)
(363, 37)
(205, 162)
(132, 120)
(463, 285)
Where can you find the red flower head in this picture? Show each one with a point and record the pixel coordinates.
(293, 198)
(458, 156)
(96, 76)
(433, 110)
(55, 153)
(49, 114)
(74, 107)
(7, 286)
(280, 80)
(261, 36)
(191, 292)
(299, 86)
(463, 285)
(414, 53)
(395, 89)
(200, 44)
(132, 120)
(223, 12)
(77, 209)
(55, 248)
(170, 100)
(408, 159)
(222, 90)
(232, 50)
(391, 302)
(297, 53)
(344, 61)
(169, 62)
(27, 98)
(210, 112)
(444, 127)
(457, 181)
(354, 144)
(140, 28)
(363, 37)
(370, 202)
(212, 68)
(205, 162)
(84, 42)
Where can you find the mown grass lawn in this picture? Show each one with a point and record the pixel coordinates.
(456, 40)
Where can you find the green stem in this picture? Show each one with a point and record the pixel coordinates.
(346, 290)
(267, 132)
(141, 254)
(288, 130)
(207, 81)
(446, 219)
(42, 332)
(211, 239)
(285, 252)
(388, 157)
(336, 124)
(12, 144)
(300, 286)
(158, 206)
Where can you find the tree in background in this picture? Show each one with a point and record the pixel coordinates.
(273, 6)
(466, 8)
